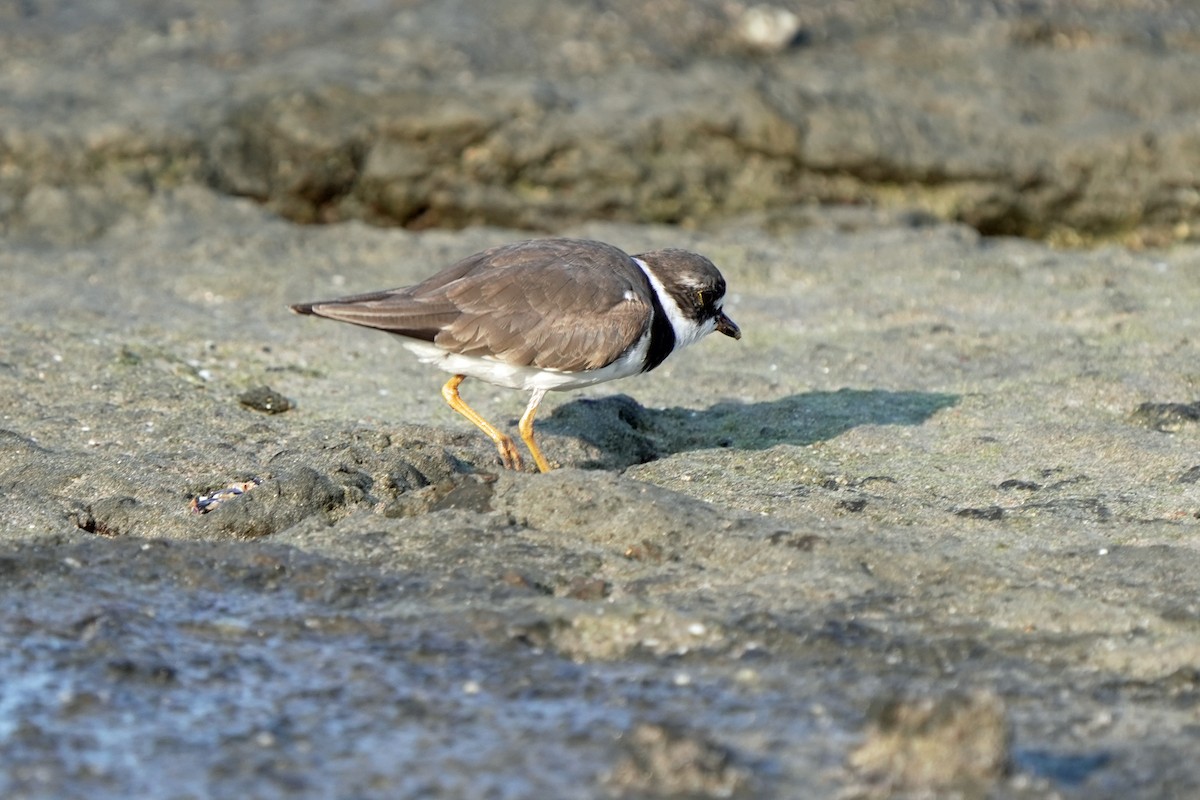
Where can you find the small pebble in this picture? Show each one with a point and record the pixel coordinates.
(265, 399)
(768, 28)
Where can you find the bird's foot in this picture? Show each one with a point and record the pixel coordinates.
(509, 456)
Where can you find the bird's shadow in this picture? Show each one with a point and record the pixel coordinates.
(626, 433)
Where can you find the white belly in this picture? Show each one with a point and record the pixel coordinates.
(528, 378)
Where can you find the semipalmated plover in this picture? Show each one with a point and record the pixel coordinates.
(543, 315)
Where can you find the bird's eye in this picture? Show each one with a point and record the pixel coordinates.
(704, 298)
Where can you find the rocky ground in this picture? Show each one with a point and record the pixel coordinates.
(928, 530)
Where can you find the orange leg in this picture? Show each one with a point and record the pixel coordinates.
(508, 451)
(526, 428)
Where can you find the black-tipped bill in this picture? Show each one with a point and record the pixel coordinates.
(727, 326)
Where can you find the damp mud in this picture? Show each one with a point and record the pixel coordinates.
(928, 529)
(921, 489)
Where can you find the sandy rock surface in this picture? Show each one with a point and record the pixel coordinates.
(928, 529)
(1045, 120)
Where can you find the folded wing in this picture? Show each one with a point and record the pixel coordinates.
(557, 304)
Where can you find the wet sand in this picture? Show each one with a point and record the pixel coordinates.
(928, 529)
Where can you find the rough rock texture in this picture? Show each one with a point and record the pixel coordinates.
(930, 529)
(932, 472)
(1043, 120)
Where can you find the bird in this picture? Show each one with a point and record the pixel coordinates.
(545, 315)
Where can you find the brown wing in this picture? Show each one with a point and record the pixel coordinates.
(561, 304)
(422, 311)
(557, 304)
(392, 310)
